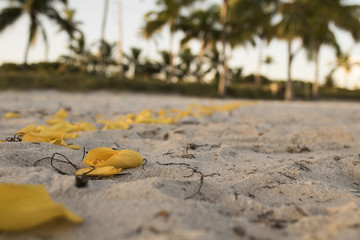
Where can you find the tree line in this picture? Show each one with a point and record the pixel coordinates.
(218, 28)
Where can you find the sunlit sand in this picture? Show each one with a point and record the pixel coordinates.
(269, 170)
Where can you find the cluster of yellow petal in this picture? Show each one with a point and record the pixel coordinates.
(104, 161)
(166, 116)
(58, 131)
(27, 206)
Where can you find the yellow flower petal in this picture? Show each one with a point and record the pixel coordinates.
(116, 125)
(29, 137)
(70, 135)
(59, 142)
(144, 116)
(27, 206)
(29, 128)
(162, 113)
(64, 126)
(47, 132)
(62, 113)
(99, 172)
(53, 121)
(97, 155)
(122, 159)
(75, 147)
(12, 115)
(85, 126)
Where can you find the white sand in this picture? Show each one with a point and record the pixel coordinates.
(278, 176)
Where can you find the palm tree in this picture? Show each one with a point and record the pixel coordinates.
(35, 9)
(255, 17)
(214, 63)
(165, 63)
(344, 62)
(184, 69)
(167, 16)
(240, 26)
(108, 51)
(269, 60)
(79, 54)
(134, 60)
(71, 25)
(264, 14)
(204, 26)
(319, 32)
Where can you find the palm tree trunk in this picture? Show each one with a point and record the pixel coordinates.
(289, 95)
(102, 38)
(171, 56)
(258, 70)
(26, 53)
(222, 80)
(315, 88)
(120, 39)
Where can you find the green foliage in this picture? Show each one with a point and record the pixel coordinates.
(329, 82)
(25, 80)
(251, 79)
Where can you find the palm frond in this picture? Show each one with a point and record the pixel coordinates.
(8, 16)
(152, 27)
(64, 24)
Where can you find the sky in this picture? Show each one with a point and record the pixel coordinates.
(90, 12)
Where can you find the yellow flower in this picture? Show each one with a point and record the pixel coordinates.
(12, 115)
(103, 157)
(27, 206)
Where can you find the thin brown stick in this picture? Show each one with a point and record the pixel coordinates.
(177, 164)
(93, 168)
(199, 189)
(84, 153)
(145, 160)
(52, 159)
(45, 158)
(194, 170)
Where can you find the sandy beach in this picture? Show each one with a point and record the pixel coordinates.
(269, 170)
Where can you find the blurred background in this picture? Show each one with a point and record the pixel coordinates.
(268, 49)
